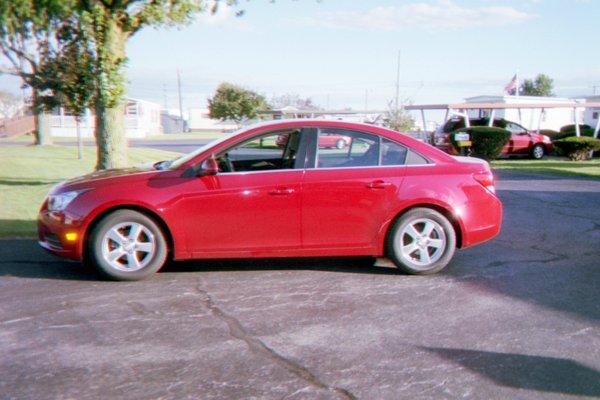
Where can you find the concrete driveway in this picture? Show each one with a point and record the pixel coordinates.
(518, 317)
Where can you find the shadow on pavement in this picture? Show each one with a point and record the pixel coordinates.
(359, 265)
(24, 258)
(546, 374)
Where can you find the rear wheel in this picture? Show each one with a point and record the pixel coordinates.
(421, 242)
(127, 245)
(537, 152)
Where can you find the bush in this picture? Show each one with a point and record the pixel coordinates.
(569, 130)
(552, 134)
(578, 148)
(486, 142)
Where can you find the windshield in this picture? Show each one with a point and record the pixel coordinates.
(187, 157)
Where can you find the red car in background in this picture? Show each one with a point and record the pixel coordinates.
(522, 142)
(386, 195)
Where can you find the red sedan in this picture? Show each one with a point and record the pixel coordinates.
(385, 195)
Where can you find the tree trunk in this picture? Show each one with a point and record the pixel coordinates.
(109, 106)
(42, 125)
(110, 137)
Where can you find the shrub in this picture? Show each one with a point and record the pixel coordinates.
(578, 148)
(552, 134)
(486, 142)
(569, 130)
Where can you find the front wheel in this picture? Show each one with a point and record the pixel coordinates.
(421, 242)
(127, 246)
(537, 152)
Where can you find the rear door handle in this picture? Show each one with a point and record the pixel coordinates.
(378, 184)
(281, 191)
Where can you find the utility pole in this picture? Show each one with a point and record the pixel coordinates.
(180, 103)
(398, 84)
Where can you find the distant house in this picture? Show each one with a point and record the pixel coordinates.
(550, 118)
(200, 121)
(142, 118)
(592, 114)
(171, 122)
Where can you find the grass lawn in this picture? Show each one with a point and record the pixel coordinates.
(26, 139)
(555, 165)
(28, 172)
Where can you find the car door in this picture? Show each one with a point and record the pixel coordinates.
(520, 140)
(348, 192)
(252, 205)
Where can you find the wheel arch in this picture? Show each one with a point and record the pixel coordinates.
(142, 210)
(436, 207)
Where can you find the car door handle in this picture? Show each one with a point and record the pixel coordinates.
(281, 191)
(378, 185)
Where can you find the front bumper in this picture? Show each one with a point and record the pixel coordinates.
(53, 228)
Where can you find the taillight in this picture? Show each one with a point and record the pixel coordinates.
(486, 179)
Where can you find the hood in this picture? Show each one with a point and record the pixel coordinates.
(108, 176)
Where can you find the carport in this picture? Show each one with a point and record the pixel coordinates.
(463, 108)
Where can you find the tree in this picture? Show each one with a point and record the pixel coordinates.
(28, 29)
(27, 35)
(110, 24)
(542, 85)
(8, 104)
(236, 103)
(398, 119)
(69, 79)
(293, 100)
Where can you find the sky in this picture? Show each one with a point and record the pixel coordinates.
(344, 53)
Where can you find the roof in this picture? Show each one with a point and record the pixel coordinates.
(492, 105)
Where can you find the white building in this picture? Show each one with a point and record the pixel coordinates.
(199, 121)
(142, 119)
(547, 118)
(592, 114)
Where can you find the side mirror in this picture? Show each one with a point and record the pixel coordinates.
(210, 166)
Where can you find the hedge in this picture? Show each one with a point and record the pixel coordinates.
(486, 142)
(578, 148)
(569, 130)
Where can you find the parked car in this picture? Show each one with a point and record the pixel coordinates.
(331, 140)
(385, 195)
(522, 142)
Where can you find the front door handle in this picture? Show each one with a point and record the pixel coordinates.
(379, 184)
(281, 191)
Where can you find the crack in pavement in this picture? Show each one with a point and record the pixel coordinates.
(257, 346)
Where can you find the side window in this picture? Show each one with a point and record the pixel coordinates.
(272, 151)
(514, 128)
(338, 148)
(392, 153)
(413, 158)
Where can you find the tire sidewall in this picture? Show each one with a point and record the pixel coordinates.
(95, 246)
(398, 226)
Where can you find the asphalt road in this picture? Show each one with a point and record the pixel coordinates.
(517, 317)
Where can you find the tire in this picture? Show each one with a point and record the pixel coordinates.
(340, 144)
(127, 246)
(418, 254)
(538, 152)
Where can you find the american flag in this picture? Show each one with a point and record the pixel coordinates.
(511, 87)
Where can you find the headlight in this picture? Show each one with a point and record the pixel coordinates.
(546, 139)
(59, 202)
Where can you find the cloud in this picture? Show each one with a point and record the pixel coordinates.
(442, 14)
